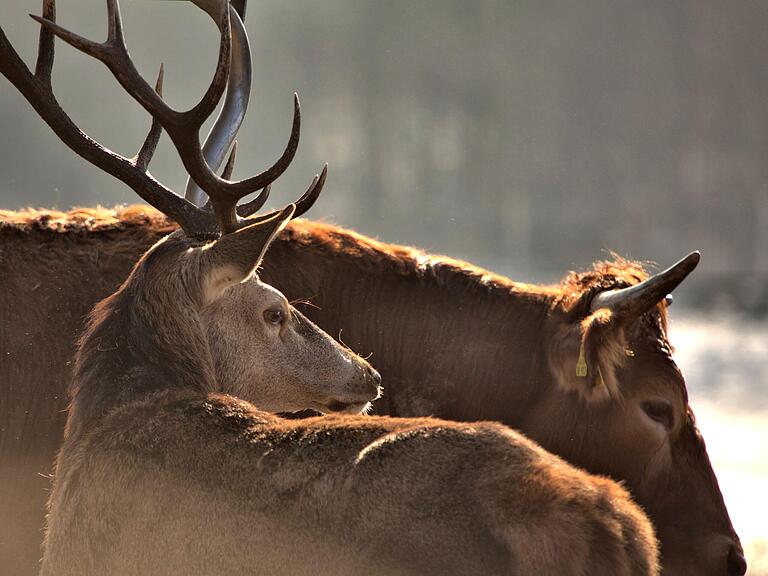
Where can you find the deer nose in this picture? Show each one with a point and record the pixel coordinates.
(373, 380)
(737, 564)
(373, 376)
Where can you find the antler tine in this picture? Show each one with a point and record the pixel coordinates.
(95, 49)
(36, 89)
(45, 49)
(302, 204)
(244, 210)
(312, 194)
(242, 188)
(224, 194)
(250, 208)
(227, 174)
(114, 24)
(207, 104)
(114, 54)
(144, 156)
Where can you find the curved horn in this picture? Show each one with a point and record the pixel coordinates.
(240, 6)
(638, 299)
(224, 129)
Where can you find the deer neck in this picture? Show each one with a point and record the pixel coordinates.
(140, 341)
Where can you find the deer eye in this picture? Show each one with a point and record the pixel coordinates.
(659, 411)
(274, 316)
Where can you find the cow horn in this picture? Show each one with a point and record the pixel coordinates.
(225, 128)
(239, 6)
(638, 299)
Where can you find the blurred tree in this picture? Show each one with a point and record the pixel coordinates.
(528, 136)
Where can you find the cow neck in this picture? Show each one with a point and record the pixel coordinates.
(484, 347)
(449, 339)
(484, 350)
(143, 339)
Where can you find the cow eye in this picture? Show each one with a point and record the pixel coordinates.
(659, 411)
(274, 316)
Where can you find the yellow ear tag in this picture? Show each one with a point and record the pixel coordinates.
(581, 364)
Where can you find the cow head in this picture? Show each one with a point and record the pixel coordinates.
(622, 409)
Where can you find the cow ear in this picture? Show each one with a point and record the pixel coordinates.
(234, 257)
(585, 357)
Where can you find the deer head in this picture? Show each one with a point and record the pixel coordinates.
(192, 313)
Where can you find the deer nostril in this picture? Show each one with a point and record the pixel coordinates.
(737, 564)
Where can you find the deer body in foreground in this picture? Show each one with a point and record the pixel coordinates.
(161, 474)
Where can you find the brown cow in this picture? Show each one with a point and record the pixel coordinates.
(583, 367)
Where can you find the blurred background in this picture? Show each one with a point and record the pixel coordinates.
(529, 137)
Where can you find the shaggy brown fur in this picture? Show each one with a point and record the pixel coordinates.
(53, 268)
(450, 339)
(159, 474)
(458, 342)
(181, 484)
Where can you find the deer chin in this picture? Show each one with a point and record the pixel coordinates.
(330, 406)
(337, 407)
(346, 401)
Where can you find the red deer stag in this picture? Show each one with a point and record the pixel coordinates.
(20, 529)
(21, 470)
(168, 477)
(162, 472)
(437, 321)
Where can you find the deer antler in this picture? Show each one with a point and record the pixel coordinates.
(182, 127)
(36, 88)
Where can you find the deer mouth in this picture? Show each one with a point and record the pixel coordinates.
(339, 407)
(357, 402)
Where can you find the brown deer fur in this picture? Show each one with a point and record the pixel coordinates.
(161, 474)
(190, 484)
(450, 339)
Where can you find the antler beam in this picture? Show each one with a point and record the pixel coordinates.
(36, 88)
(182, 127)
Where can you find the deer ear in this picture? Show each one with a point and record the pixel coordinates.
(584, 357)
(234, 257)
